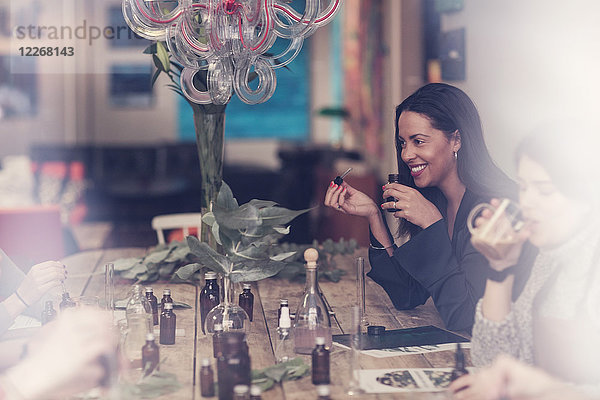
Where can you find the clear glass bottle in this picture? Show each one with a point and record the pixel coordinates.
(66, 302)
(153, 304)
(312, 318)
(231, 316)
(165, 299)
(150, 355)
(168, 325)
(207, 379)
(246, 300)
(209, 296)
(139, 322)
(241, 392)
(49, 313)
(284, 348)
(320, 363)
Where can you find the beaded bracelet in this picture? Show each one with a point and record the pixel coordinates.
(381, 248)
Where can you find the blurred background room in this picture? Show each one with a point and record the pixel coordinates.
(91, 151)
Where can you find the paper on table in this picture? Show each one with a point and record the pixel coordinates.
(398, 351)
(396, 380)
(23, 321)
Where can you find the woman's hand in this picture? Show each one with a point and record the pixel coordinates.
(503, 253)
(411, 205)
(40, 279)
(348, 200)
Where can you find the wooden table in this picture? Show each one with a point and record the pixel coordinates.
(86, 278)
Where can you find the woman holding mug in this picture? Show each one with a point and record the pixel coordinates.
(445, 171)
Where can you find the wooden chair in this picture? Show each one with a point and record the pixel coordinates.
(183, 221)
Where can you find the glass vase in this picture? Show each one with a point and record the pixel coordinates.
(231, 316)
(209, 124)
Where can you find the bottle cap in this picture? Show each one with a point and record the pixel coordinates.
(168, 306)
(167, 291)
(311, 256)
(205, 362)
(210, 275)
(323, 390)
(393, 178)
(320, 341)
(283, 301)
(149, 336)
(149, 289)
(255, 390)
(284, 320)
(218, 328)
(247, 286)
(240, 389)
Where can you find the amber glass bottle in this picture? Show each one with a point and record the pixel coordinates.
(209, 296)
(247, 300)
(218, 340)
(165, 299)
(150, 355)
(153, 304)
(320, 363)
(392, 178)
(168, 324)
(49, 313)
(66, 302)
(207, 379)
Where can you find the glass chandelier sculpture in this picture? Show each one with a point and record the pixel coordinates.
(228, 40)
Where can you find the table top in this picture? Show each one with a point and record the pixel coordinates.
(86, 277)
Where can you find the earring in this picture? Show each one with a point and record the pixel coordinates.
(456, 155)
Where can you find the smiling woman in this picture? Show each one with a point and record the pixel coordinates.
(445, 170)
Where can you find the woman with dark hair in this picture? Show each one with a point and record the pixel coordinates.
(445, 170)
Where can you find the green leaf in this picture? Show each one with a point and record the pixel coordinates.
(123, 264)
(225, 199)
(208, 257)
(251, 271)
(240, 218)
(163, 55)
(283, 231)
(155, 76)
(157, 256)
(262, 203)
(209, 218)
(151, 49)
(132, 273)
(282, 256)
(279, 215)
(188, 270)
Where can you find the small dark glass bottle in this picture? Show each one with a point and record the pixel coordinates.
(459, 366)
(320, 363)
(282, 303)
(49, 313)
(392, 178)
(150, 355)
(165, 299)
(233, 366)
(209, 296)
(218, 340)
(246, 300)
(255, 393)
(153, 304)
(168, 324)
(66, 302)
(207, 379)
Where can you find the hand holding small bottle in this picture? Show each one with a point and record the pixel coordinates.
(40, 279)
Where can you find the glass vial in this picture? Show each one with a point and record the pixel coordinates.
(312, 318)
(361, 294)
(218, 340)
(66, 302)
(241, 392)
(255, 393)
(320, 363)
(354, 388)
(168, 324)
(284, 348)
(139, 322)
(150, 355)
(209, 296)
(165, 299)
(109, 286)
(324, 392)
(49, 313)
(207, 379)
(153, 304)
(246, 300)
(392, 178)
(459, 364)
(282, 303)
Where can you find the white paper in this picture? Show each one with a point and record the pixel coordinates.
(399, 380)
(430, 348)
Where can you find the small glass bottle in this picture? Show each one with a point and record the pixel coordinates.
(49, 313)
(320, 363)
(153, 304)
(233, 366)
(255, 392)
(209, 296)
(66, 302)
(207, 379)
(168, 322)
(165, 299)
(218, 340)
(150, 355)
(459, 366)
(392, 178)
(312, 318)
(324, 392)
(284, 348)
(282, 303)
(241, 392)
(139, 322)
(246, 300)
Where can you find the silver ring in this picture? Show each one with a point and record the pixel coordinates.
(395, 206)
(339, 207)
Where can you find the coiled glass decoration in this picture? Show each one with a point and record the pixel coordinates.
(229, 40)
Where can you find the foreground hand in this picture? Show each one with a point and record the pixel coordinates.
(411, 204)
(40, 279)
(510, 379)
(66, 356)
(348, 200)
